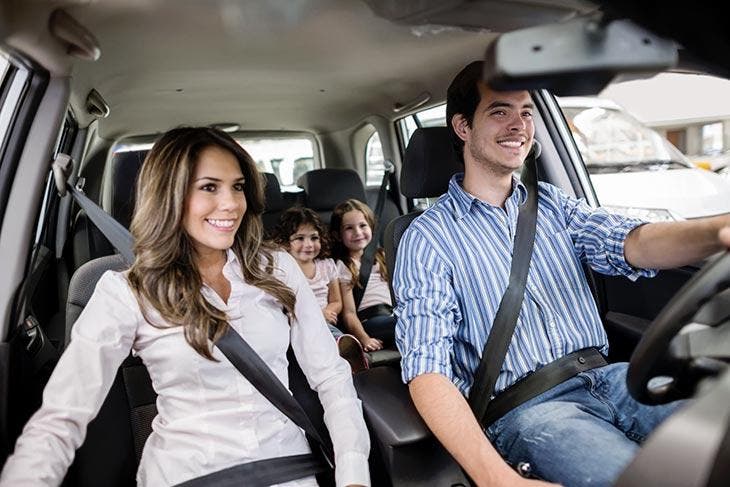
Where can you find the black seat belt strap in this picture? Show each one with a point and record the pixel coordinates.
(255, 370)
(368, 255)
(495, 350)
(259, 473)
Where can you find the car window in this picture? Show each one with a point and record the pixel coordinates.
(374, 161)
(624, 137)
(287, 157)
(14, 83)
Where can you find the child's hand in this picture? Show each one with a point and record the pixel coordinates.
(330, 316)
(371, 344)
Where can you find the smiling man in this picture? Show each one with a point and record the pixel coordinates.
(453, 266)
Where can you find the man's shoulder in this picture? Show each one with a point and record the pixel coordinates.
(437, 216)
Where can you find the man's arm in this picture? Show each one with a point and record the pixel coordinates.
(448, 415)
(673, 244)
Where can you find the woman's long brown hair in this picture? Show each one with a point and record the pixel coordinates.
(164, 275)
(339, 251)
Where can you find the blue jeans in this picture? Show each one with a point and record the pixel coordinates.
(582, 432)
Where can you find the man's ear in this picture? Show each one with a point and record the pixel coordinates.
(460, 126)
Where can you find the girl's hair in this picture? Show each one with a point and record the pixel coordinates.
(339, 251)
(164, 275)
(292, 219)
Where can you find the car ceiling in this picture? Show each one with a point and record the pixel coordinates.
(315, 65)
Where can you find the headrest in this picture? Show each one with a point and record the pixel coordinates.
(119, 184)
(274, 201)
(326, 188)
(429, 163)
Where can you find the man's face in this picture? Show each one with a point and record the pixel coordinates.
(501, 134)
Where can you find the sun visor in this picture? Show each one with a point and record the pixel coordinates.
(578, 57)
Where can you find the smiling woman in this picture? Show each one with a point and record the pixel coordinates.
(200, 270)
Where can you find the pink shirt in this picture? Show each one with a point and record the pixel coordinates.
(376, 292)
(325, 271)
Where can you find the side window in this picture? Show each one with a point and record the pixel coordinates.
(654, 155)
(288, 157)
(14, 88)
(374, 161)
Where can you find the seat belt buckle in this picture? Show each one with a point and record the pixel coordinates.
(33, 336)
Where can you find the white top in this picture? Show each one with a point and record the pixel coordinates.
(376, 292)
(325, 271)
(209, 416)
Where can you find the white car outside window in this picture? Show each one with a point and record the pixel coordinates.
(636, 171)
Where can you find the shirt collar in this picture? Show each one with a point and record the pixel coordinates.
(464, 201)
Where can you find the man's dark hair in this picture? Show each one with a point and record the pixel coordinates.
(463, 97)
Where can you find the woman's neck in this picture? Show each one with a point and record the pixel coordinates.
(210, 264)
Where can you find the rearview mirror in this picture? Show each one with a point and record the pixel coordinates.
(579, 57)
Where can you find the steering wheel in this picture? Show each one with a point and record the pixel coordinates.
(684, 359)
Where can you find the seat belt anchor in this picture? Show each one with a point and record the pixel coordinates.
(62, 167)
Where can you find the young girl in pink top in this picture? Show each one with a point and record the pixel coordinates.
(304, 236)
(371, 321)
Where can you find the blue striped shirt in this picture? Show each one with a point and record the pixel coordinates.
(453, 267)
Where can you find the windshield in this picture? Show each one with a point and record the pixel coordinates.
(610, 140)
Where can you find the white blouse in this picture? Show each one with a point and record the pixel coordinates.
(376, 292)
(209, 416)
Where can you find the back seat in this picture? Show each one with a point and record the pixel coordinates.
(324, 189)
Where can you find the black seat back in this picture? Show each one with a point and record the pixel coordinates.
(428, 165)
(326, 188)
(275, 204)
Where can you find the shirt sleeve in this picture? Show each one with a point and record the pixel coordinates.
(427, 308)
(343, 273)
(101, 339)
(331, 270)
(598, 236)
(329, 375)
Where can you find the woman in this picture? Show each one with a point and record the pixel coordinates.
(200, 267)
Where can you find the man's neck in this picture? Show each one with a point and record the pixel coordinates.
(487, 186)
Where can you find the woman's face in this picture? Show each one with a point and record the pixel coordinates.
(355, 231)
(216, 203)
(304, 244)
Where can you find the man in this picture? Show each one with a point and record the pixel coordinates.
(453, 267)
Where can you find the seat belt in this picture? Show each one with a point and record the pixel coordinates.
(239, 353)
(495, 350)
(368, 255)
(485, 406)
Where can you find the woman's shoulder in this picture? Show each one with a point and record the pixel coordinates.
(284, 265)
